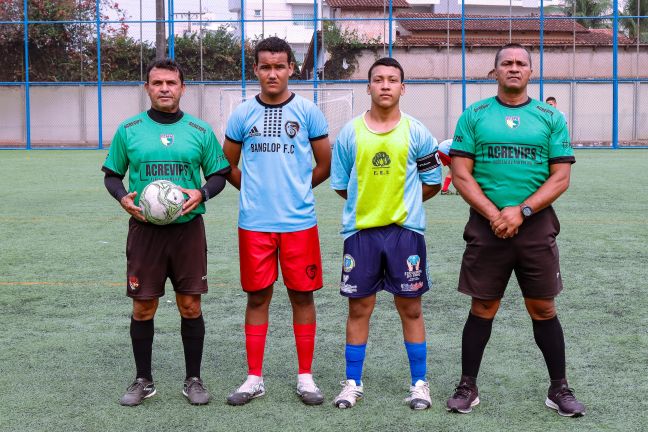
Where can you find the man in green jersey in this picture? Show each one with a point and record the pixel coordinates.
(164, 143)
(511, 158)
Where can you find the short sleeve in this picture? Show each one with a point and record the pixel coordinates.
(343, 159)
(235, 124)
(463, 142)
(427, 159)
(117, 159)
(213, 157)
(560, 149)
(317, 125)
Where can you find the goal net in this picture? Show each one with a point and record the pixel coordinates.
(335, 103)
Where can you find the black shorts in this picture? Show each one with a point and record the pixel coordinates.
(176, 251)
(533, 254)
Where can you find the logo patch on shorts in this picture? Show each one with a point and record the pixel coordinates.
(133, 283)
(311, 271)
(348, 263)
(410, 287)
(347, 288)
(413, 272)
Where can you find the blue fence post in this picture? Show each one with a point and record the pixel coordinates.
(171, 21)
(315, 65)
(243, 82)
(463, 55)
(99, 81)
(615, 75)
(541, 50)
(391, 21)
(27, 101)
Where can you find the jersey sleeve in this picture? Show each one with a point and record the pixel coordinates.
(317, 125)
(117, 159)
(463, 142)
(560, 149)
(213, 157)
(235, 124)
(343, 159)
(427, 158)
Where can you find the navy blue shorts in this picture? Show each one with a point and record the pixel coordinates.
(390, 258)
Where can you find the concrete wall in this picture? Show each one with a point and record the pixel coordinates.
(67, 115)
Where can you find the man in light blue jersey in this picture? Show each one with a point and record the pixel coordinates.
(275, 137)
(385, 164)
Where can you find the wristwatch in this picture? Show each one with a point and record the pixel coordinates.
(526, 210)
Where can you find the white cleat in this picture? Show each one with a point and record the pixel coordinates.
(419, 398)
(349, 395)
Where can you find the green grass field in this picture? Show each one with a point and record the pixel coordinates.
(65, 354)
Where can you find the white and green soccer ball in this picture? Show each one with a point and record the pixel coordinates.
(161, 202)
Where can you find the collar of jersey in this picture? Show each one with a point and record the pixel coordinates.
(499, 101)
(381, 133)
(164, 117)
(286, 102)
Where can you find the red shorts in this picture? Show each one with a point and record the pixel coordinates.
(298, 253)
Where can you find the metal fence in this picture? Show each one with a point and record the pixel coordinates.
(73, 69)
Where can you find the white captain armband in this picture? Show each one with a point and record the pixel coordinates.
(429, 162)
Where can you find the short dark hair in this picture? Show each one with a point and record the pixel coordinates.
(165, 63)
(273, 44)
(512, 45)
(550, 98)
(387, 61)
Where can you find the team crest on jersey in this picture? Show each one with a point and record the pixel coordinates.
(512, 121)
(291, 128)
(166, 139)
(133, 283)
(348, 263)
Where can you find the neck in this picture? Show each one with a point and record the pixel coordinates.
(165, 117)
(275, 99)
(512, 98)
(382, 119)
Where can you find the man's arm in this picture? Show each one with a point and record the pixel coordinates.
(322, 155)
(469, 189)
(555, 185)
(430, 190)
(342, 193)
(233, 154)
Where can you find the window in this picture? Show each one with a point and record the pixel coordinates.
(303, 16)
(257, 12)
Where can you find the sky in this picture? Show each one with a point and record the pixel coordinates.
(218, 7)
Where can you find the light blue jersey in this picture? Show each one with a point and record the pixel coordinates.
(383, 174)
(276, 162)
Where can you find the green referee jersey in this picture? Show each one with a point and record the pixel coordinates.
(176, 152)
(512, 147)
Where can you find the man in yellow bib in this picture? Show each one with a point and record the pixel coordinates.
(385, 164)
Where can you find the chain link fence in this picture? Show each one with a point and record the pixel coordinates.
(73, 69)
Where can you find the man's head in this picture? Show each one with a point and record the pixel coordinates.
(164, 85)
(513, 68)
(551, 101)
(273, 66)
(386, 82)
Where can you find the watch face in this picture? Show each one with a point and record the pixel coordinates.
(526, 211)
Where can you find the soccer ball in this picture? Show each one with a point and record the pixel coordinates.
(161, 202)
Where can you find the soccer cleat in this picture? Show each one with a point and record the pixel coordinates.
(139, 390)
(195, 391)
(252, 388)
(561, 398)
(465, 397)
(419, 398)
(349, 395)
(446, 192)
(308, 391)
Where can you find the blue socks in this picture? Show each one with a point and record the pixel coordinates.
(354, 355)
(417, 355)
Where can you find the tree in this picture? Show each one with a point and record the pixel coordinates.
(636, 28)
(585, 8)
(57, 52)
(343, 47)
